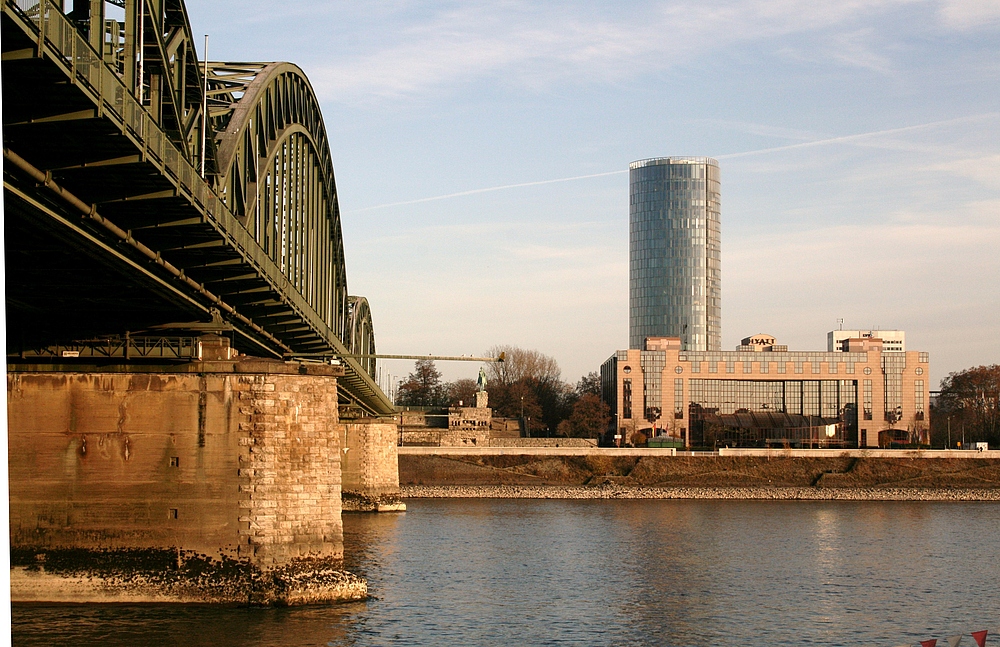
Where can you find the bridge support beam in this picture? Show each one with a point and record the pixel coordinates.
(212, 481)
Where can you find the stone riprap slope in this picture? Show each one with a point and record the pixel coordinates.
(699, 472)
(759, 493)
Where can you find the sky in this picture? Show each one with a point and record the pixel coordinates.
(481, 154)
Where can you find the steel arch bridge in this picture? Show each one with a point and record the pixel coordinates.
(143, 188)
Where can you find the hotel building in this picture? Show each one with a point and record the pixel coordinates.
(763, 395)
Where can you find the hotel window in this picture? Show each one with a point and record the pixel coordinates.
(798, 367)
(730, 366)
(627, 398)
(918, 399)
(923, 358)
(850, 368)
(696, 367)
(782, 367)
(678, 397)
(815, 367)
(833, 368)
(747, 367)
(810, 398)
(764, 366)
(713, 366)
(793, 397)
(868, 399)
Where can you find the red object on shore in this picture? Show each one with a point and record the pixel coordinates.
(980, 637)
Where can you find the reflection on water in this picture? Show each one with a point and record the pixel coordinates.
(505, 572)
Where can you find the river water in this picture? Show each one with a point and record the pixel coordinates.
(503, 572)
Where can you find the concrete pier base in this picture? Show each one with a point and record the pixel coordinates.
(212, 481)
(370, 467)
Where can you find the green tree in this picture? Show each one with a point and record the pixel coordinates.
(461, 391)
(589, 418)
(589, 383)
(422, 387)
(970, 399)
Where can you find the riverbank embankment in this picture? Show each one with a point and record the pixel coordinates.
(712, 476)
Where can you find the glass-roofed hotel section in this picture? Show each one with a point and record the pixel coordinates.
(675, 275)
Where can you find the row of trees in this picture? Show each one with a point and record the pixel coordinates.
(526, 385)
(969, 407)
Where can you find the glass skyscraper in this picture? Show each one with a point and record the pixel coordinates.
(675, 274)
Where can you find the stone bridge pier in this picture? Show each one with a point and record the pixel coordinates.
(211, 481)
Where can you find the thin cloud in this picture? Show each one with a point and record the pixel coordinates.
(970, 14)
(533, 45)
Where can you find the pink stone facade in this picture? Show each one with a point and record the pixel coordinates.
(651, 389)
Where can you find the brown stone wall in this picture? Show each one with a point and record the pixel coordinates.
(222, 458)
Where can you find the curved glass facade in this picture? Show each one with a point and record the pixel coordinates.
(675, 274)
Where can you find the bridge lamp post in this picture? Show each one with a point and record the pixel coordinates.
(522, 415)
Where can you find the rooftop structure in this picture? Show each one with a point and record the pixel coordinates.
(892, 340)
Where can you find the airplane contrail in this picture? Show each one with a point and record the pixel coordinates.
(819, 142)
(487, 190)
(856, 137)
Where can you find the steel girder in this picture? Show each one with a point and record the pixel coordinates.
(97, 181)
(276, 175)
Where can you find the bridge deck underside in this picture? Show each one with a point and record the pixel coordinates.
(67, 277)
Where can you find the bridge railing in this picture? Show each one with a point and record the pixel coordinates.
(59, 37)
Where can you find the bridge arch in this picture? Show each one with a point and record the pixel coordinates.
(361, 333)
(275, 173)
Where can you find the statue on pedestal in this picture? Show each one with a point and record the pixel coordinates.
(482, 398)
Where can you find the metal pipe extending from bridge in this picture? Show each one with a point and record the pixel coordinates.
(443, 358)
(448, 358)
(90, 211)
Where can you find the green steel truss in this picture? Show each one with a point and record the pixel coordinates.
(103, 152)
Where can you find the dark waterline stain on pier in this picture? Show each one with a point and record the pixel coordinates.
(638, 572)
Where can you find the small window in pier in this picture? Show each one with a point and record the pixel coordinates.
(175, 461)
(173, 513)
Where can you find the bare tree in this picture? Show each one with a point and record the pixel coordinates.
(520, 364)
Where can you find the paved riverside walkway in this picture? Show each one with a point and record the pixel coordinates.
(472, 450)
